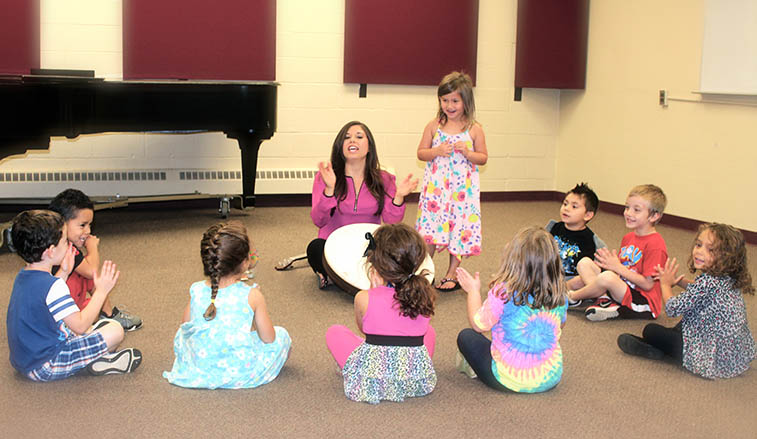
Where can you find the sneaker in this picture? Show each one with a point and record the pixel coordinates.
(462, 365)
(128, 321)
(633, 345)
(604, 309)
(573, 303)
(124, 361)
(102, 322)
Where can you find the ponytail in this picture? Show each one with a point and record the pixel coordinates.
(415, 295)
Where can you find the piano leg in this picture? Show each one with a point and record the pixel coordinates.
(249, 144)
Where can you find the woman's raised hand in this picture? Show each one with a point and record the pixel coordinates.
(327, 175)
(407, 185)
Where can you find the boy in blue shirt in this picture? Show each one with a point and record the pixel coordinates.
(49, 338)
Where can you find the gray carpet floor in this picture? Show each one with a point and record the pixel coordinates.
(603, 393)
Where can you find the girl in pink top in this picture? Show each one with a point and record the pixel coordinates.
(352, 188)
(394, 360)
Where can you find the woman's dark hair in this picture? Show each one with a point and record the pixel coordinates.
(371, 174)
(69, 202)
(223, 249)
(398, 254)
(34, 231)
(729, 255)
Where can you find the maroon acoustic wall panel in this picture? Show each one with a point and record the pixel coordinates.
(19, 36)
(199, 39)
(413, 42)
(551, 45)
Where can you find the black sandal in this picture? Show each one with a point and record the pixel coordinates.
(455, 287)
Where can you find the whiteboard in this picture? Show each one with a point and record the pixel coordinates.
(729, 50)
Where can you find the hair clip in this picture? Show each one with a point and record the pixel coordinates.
(371, 243)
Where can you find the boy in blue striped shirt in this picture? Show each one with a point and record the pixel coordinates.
(48, 337)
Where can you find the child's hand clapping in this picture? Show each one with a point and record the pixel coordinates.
(608, 260)
(471, 284)
(462, 148)
(668, 275)
(445, 149)
(91, 243)
(67, 265)
(106, 279)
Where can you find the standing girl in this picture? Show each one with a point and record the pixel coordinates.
(453, 144)
(394, 360)
(525, 311)
(227, 339)
(713, 338)
(352, 188)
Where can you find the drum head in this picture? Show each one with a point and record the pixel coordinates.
(344, 261)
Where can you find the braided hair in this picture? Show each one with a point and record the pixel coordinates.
(396, 256)
(223, 249)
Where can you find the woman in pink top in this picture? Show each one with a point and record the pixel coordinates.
(393, 362)
(352, 188)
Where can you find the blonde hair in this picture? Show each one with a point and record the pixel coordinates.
(654, 195)
(457, 82)
(531, 266)
(729, 255)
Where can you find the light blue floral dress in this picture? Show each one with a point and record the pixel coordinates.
(223, 352)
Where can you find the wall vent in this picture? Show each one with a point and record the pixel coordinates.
(209, 175)
(286, 174)
(60, 176)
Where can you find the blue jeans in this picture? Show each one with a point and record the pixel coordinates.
(476, 350)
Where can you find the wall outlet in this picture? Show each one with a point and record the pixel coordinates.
(664, 98)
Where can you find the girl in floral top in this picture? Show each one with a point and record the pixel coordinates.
(525, 311)
(713, 338)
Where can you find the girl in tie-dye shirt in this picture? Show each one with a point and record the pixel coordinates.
(525, 310)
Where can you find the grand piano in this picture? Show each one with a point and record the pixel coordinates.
(35, 107)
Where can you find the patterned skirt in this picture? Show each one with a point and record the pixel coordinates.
(374, 373)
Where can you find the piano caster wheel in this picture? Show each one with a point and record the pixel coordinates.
(225, 207)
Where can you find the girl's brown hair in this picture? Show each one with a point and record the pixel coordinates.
(461, 83)
(729, 255)
(223, 249)
(398, 254)
(531, 267)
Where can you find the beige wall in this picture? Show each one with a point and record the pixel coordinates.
(615, 135)
(313, 105)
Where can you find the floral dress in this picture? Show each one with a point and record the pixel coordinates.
(449, 208)
(223, 352)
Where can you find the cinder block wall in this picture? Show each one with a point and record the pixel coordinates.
(313, 105)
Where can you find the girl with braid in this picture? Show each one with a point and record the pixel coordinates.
(393, 361)
(227, 339)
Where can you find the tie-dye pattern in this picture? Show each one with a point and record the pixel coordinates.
(449, 208)
(526, 353)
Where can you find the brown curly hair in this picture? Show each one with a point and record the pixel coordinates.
(729, 255)
(223, 249)
(398, 254)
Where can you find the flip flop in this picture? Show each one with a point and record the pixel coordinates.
(455, 287)
(286, 264)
